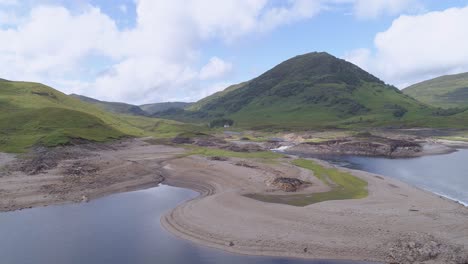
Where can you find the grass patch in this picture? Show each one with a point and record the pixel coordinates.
(344, 186)
(455, 138)
(33, 114)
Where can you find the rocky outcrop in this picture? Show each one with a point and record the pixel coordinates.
(423, 248)
(287, 184)
(243, 147)
(372, 146)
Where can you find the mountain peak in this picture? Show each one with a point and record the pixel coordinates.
(323, 65)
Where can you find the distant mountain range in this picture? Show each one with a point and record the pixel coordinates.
(151, 109)
(314, 90)
(310, 91)
(114, 107)
(445, 91)
(124, 108)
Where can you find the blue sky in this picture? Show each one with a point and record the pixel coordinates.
(149, 51)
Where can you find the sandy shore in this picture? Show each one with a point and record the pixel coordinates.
(84, 173)
(374, 228)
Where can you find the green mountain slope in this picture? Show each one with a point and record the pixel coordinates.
(445, 91)
(34, 114)
(315, 90)
(114, 107)
(151, 109)
(201, 103)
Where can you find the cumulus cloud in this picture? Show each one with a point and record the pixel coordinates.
(418, 47)
(153, 61)
(54, 46)
(84, 51)
(215, 68)
(374, 8)
(8, 18)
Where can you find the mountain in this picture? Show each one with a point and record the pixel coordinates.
(33, 114)
(114, 107)
(151, 109)
(314, 90)
(445, 91)
(129, 109)
(200, 104)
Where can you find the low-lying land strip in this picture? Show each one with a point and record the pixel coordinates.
(343, 185)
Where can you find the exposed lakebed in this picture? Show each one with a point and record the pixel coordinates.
(121, 228)
(445, 175)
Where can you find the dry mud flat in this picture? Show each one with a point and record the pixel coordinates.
(396, 223)
(79, 173)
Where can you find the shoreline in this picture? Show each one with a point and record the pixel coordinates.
(427, 149)
(187, 222)
(221, 217)
(81, 173)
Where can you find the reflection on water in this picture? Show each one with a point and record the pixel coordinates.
(119, 229)
(445, 175)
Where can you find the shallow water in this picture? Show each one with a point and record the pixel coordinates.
(118, 229)
(445, 175)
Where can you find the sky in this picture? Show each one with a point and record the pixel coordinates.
(146, 51)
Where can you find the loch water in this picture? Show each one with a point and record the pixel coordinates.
(122, 228)
(445, 175)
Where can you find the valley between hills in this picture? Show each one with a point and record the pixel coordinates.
(59, 148)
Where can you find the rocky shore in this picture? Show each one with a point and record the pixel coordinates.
(372, 146)
(80, 173)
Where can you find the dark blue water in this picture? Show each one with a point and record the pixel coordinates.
(118, 229)
(445, 175)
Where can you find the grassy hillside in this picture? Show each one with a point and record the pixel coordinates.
(114, 107)
(34, 114)
(315, 90)
(445, 91)
(200, 104)
(151, 109)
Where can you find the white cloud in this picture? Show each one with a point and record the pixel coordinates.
(215, 68)
(360, 57)
(54, 46)
(415, 48)
(8, 18)
(375, 8)
(153, 61)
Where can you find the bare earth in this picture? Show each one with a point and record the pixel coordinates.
(82, 173)
(396, 223)
(377, 228)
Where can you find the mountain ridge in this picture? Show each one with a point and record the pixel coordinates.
(447, 91)
(131, 109)
(33, 114)
(313, 90)
(114, 107)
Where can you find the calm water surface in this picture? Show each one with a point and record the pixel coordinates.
(446, 175)
(119, 229)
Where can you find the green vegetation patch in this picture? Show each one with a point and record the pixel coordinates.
(25, 128)
(212, 152)
(33, 114)
(343, 186)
